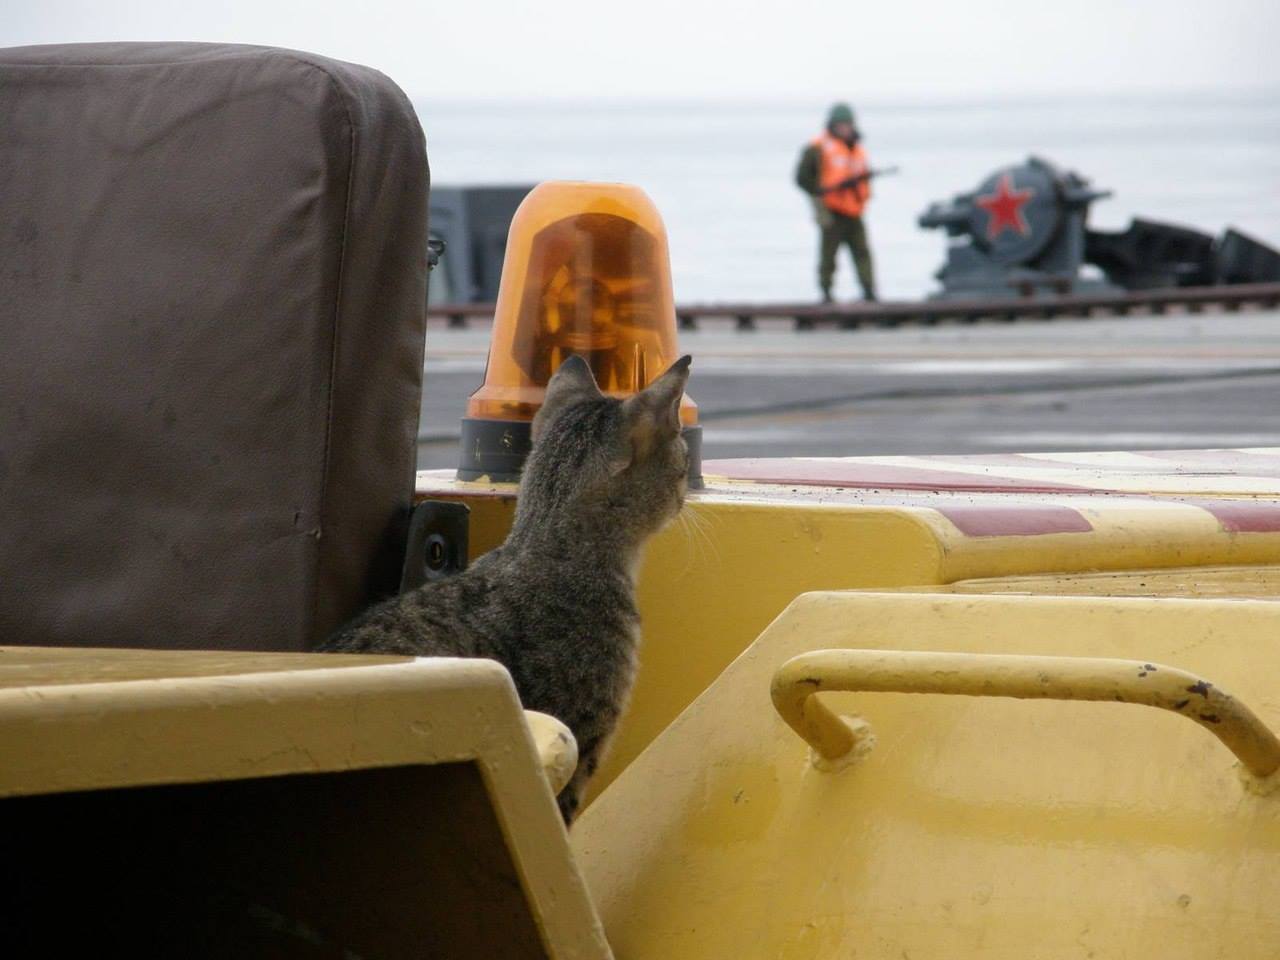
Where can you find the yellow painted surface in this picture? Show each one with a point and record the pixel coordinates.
(60, 666)
(714, 580)
(1246, 582)
(975, 826)
(493, 510)
(95, 719)
(557, 750)
(1244, 472)
(1127, 534)
(711, 584)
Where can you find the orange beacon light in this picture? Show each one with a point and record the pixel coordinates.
(586, 272)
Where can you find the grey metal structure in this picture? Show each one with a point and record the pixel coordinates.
(1020, 233)
(1242, 259)
(473, 223)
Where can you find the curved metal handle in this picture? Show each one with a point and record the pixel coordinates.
(1001, 675)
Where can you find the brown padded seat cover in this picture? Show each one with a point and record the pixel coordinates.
(212, 307)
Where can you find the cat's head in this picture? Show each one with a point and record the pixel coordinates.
(622, 461)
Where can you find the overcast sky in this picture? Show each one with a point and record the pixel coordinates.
(862, 49)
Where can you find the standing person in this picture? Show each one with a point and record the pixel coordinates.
(834, 171)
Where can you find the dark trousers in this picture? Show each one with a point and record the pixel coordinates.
(851, 231)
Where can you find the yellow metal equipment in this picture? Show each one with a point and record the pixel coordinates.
(936, 825)
(1173, 524)
(975, 826)
(285, 805)
(924, 825)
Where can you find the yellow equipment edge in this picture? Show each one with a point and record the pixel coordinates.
(244, 716)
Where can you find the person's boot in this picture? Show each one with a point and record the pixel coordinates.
(826, 295)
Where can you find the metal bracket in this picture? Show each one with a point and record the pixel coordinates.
(438, 543)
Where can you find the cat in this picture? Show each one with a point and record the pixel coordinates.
(555, 604)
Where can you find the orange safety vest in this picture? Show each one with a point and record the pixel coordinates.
(839, 163)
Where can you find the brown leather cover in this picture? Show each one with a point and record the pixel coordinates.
(212, 306)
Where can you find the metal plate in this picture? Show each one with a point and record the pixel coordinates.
(1015, 213)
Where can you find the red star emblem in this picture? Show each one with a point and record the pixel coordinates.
(1004, 208)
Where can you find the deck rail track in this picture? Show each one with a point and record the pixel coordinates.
(896, 313)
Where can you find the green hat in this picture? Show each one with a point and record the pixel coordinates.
(840, 113)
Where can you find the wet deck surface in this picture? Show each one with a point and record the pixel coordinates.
(1206, 380)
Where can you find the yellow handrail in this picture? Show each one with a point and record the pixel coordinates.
(1008, 675)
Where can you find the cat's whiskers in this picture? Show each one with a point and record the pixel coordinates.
(707, 528)
(697, 532)
(686, 531)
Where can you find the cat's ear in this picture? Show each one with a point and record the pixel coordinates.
(653, 414)
(663, 396)
(572, 382)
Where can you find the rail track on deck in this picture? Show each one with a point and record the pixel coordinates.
(901, 313)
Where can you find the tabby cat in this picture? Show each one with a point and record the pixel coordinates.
(556, 602)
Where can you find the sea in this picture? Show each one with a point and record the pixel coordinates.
(740, 230)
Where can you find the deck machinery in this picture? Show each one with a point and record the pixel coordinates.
(1021, 231)
(1024, 233)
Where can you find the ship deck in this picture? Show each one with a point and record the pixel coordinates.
(1154, 382)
